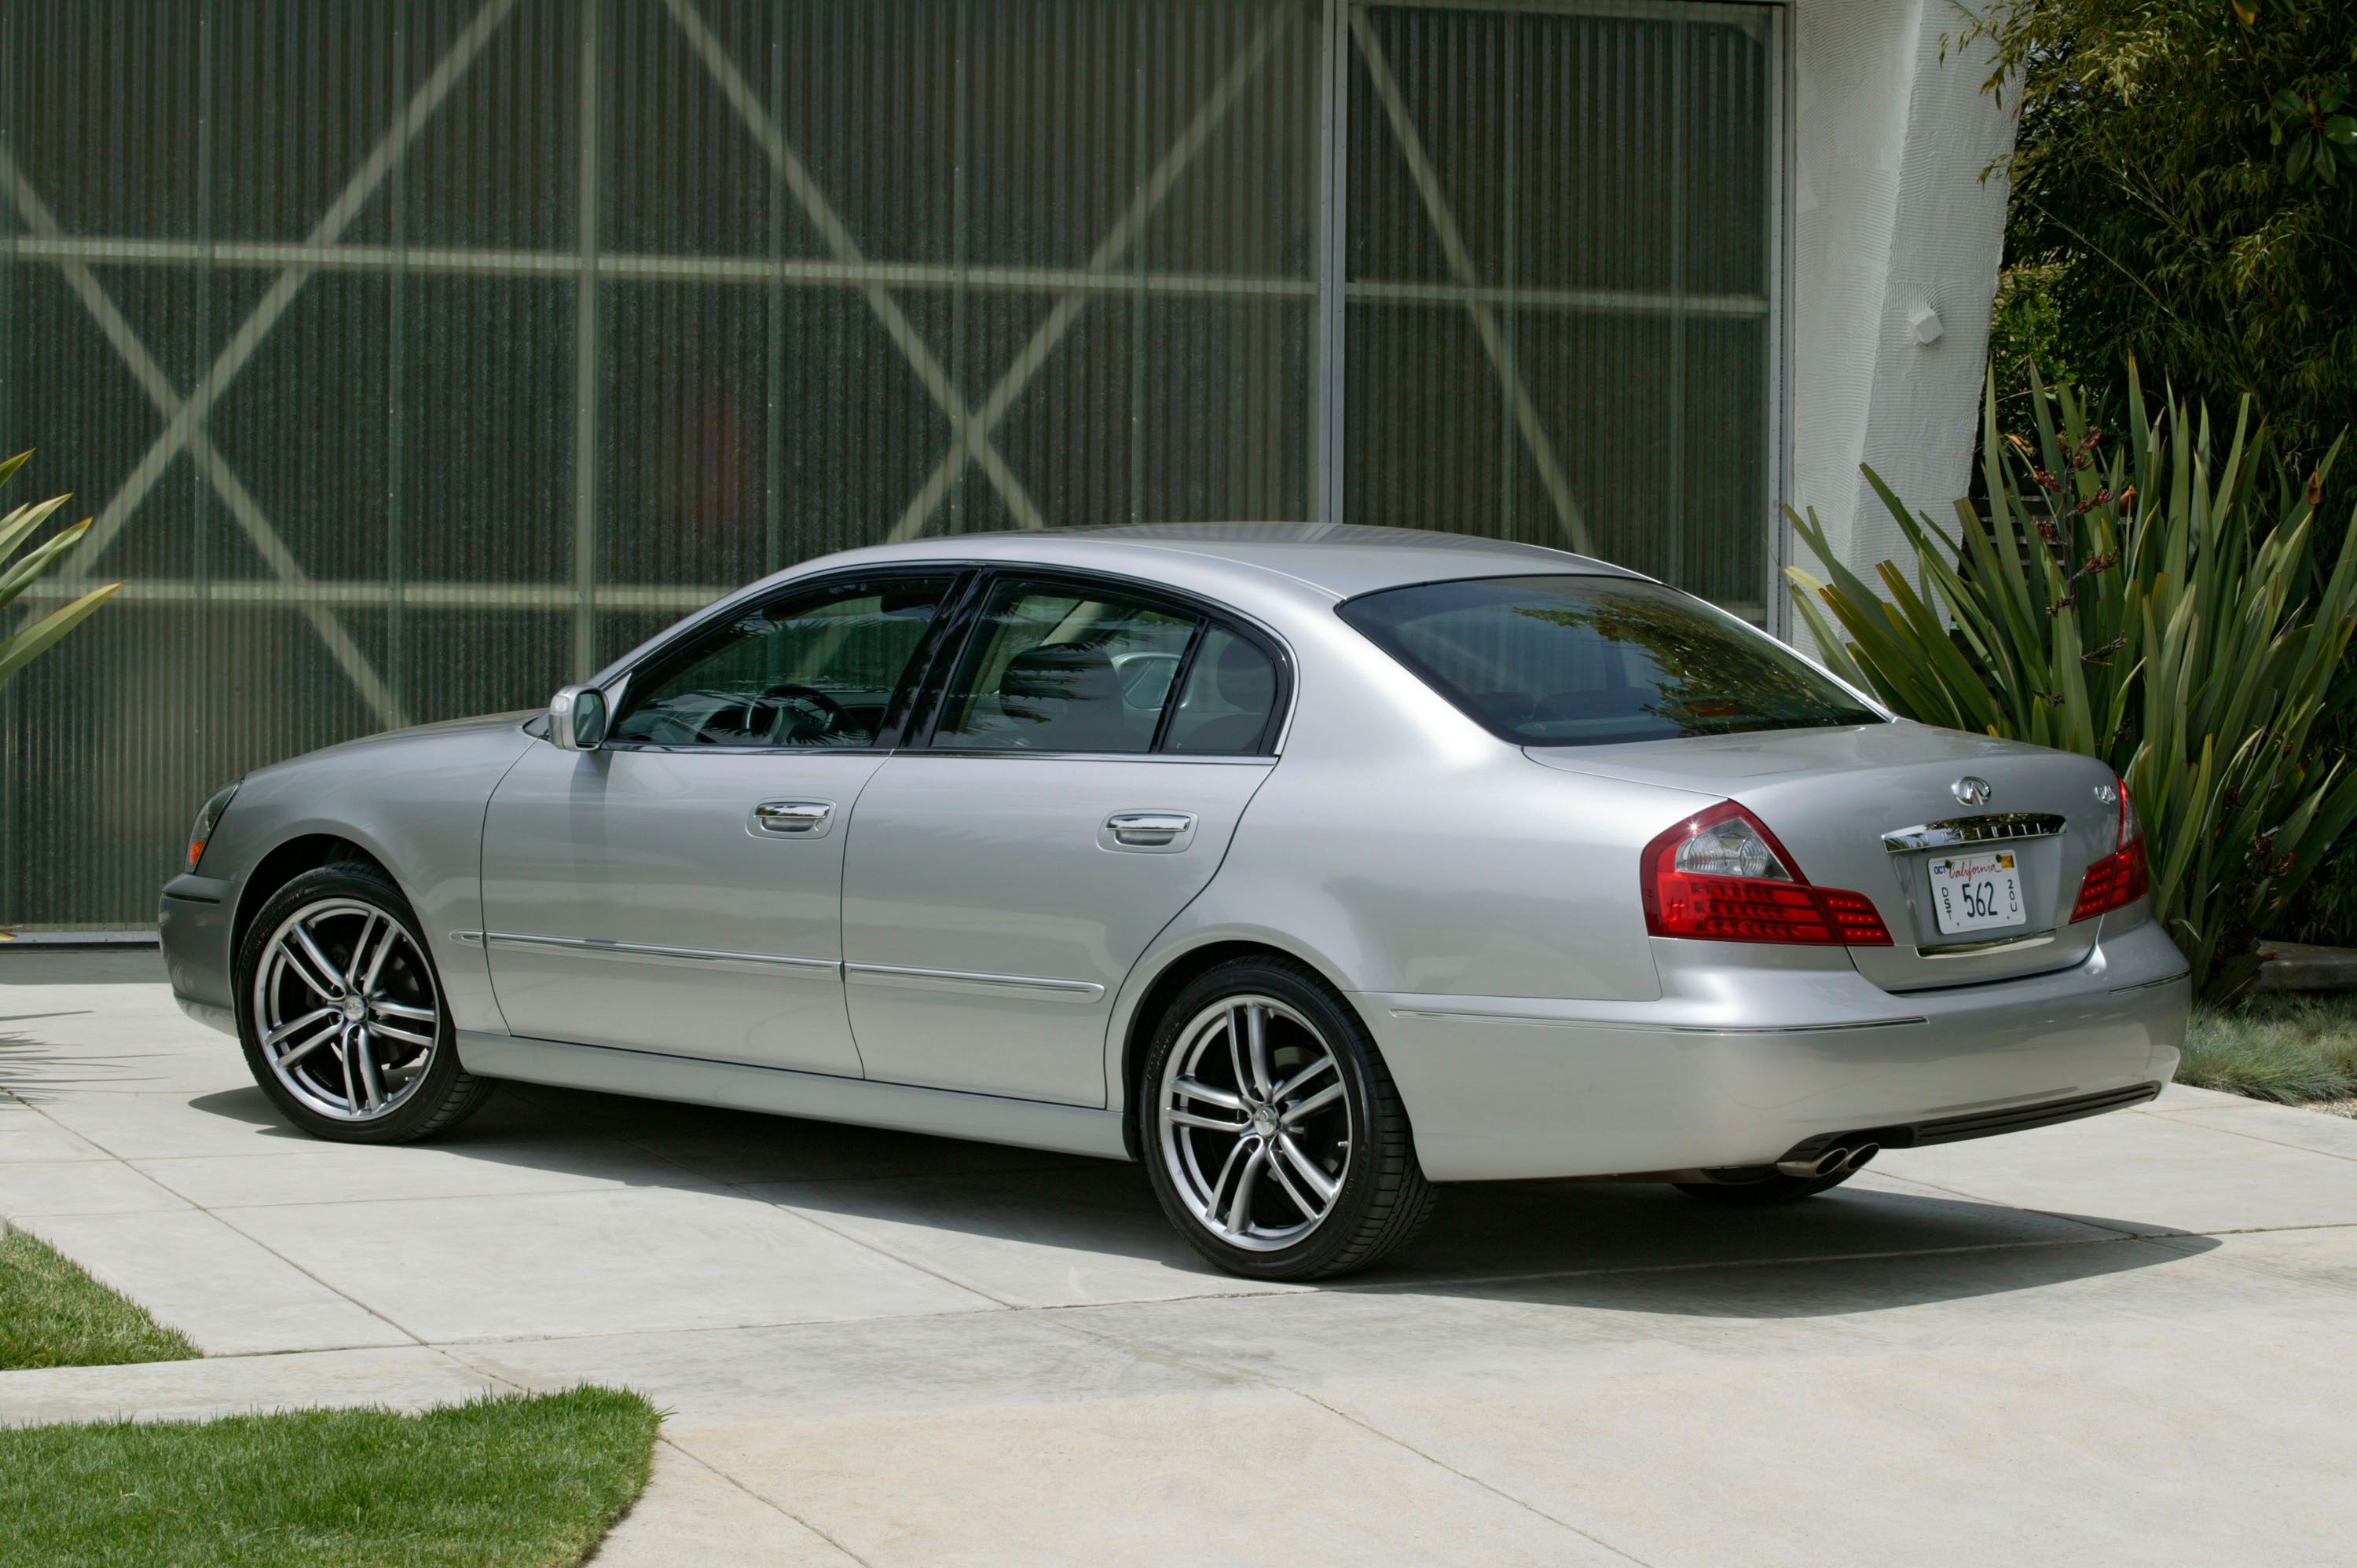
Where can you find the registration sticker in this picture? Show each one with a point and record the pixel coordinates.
(1976, 892)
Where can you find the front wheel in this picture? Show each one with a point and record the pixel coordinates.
(343, 1016)
(1272, 1131)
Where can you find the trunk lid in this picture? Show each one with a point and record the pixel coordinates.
(1832, 797)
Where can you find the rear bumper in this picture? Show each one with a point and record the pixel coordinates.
(1738, 1065)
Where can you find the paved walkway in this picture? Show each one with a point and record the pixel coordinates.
(2130, 1340)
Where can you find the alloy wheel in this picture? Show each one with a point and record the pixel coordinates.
(346, 1009)
(1255, 1123)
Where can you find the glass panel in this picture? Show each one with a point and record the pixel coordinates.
(1559, 261)
(515, 329)
(1052, 668)
(1230, 692)
(1598, 660)
(816, 670)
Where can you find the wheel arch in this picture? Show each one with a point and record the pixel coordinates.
(288, 860)
(1160, 979)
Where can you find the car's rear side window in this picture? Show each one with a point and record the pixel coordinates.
(1581, 661)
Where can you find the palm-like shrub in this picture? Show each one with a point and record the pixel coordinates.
(2152, 600)
(20, 648)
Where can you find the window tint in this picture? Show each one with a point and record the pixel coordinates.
(1224, 709)
(1593, 661)
(1059, 669)
(817, 669)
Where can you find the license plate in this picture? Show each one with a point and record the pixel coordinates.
(1976, 892)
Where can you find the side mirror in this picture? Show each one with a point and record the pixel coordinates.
(576, 719)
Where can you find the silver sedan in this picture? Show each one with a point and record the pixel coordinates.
(1309, 866)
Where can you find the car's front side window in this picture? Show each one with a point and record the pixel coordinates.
(1053, 667)
(816, 668)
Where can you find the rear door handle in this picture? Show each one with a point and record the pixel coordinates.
(804, 818)
(1149, 830)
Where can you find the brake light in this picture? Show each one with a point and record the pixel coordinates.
(2122, 877)
(1721, 876)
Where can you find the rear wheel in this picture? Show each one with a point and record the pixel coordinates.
(343, 1016)
(1763, 1191)
(1274, 1136)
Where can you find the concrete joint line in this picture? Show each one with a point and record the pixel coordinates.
(231, 1225)
(767, 1502)
(1240, 1374)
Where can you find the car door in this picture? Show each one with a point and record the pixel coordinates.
(1091, 749)
(678, 890)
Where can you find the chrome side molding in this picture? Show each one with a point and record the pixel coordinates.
(1039, 987)
(1999, 827)
(647, 953)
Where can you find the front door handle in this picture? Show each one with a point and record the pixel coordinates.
(806, 818)
(1149, 830)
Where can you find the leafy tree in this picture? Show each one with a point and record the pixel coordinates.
(2184, 194)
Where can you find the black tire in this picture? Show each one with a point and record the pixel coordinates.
(1765, 1192)
(431, 1102)
(1382, 1200)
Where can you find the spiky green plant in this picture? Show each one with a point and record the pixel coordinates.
(2142, 601)
(21, 647)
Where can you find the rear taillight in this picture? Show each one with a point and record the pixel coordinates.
(2120, 877)
(1721, 876)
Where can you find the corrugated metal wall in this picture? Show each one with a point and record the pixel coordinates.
(416, 356)
(1562, 252)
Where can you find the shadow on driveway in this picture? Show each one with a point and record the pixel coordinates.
(1623, 1247)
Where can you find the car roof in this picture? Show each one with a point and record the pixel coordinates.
(1338, 559)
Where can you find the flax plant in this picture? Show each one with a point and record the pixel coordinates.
(2138, 600)
(20, 647)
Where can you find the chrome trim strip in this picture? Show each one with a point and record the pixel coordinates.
(1982, 950)
(468, 939)
(2152, 984)
(647, 953)
(2001, 827)
(961, 980)
(1256, 759)
(1628, 1027)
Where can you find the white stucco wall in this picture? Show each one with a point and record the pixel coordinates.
(1888, 214)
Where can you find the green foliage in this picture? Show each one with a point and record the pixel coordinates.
(2319, 143)
(2296, 1050)
(2145, 602)
(20, 647)
(511, 1482)
(54, 1314)
(2185, 192)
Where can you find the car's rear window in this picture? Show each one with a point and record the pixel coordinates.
(1573, 661)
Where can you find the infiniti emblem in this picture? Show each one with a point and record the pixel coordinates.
(1970, 791)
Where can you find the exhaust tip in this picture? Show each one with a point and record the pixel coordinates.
(1816, 1165)
(1860, 1156)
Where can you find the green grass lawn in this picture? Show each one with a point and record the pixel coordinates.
(495, 1483)
(53, 1314)
(2294, 1049)
(501, 1482)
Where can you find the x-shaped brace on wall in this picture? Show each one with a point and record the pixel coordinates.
(972, 427)
(184, 417)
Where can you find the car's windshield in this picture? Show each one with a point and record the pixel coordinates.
(1573, 661)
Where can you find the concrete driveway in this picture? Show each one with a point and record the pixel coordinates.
(2126, 1340)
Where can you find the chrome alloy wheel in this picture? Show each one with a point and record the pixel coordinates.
(1255, 1123)
(344, 1007)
